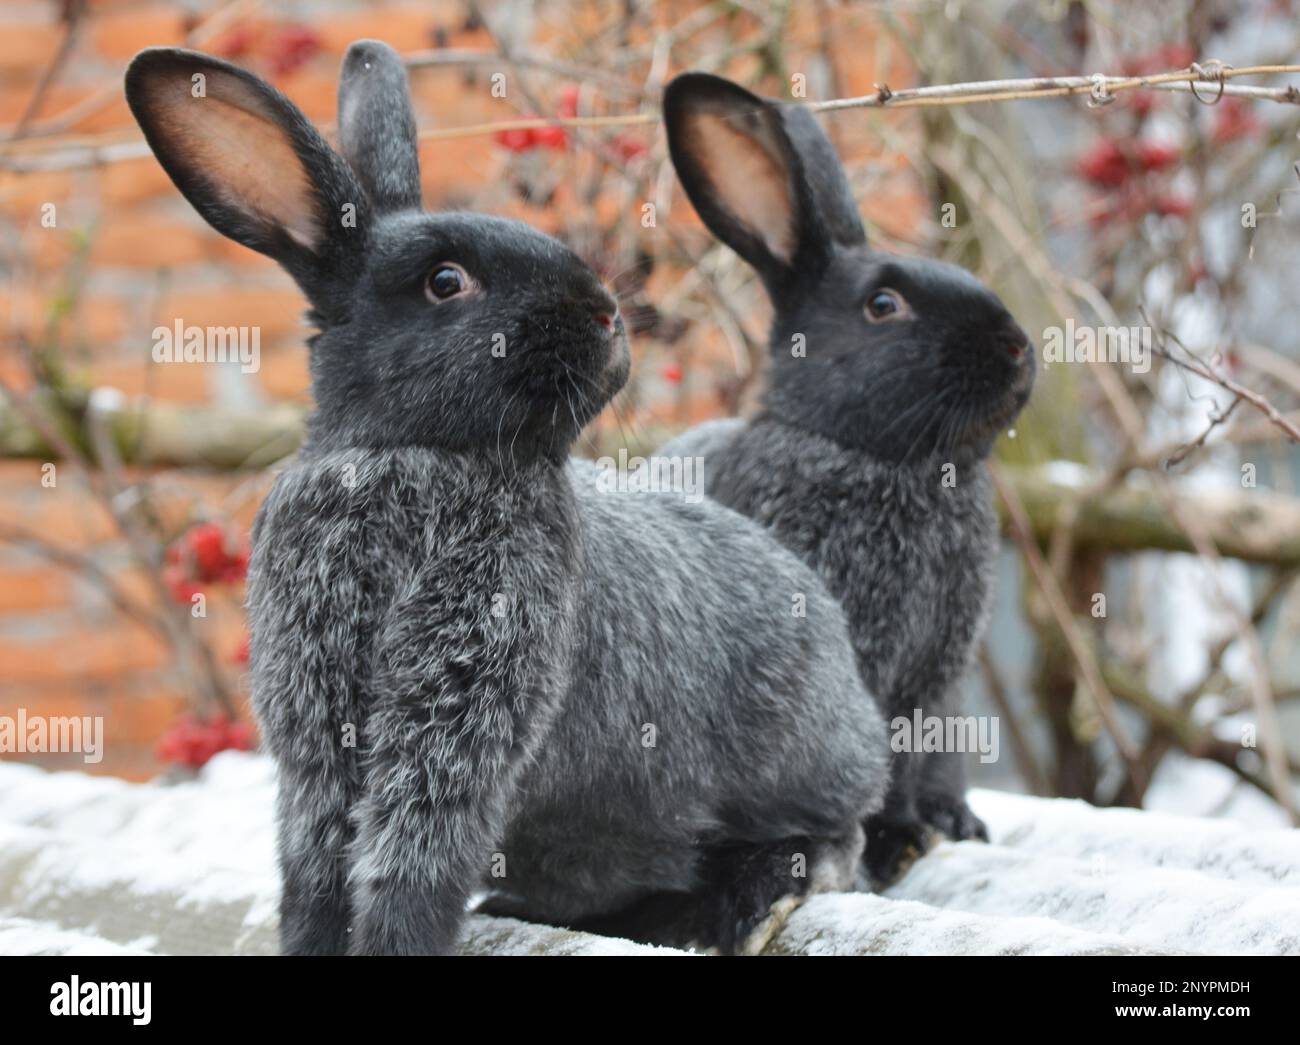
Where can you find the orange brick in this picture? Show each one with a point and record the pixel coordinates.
(404, 27)
(138, 718)
(131, 181)
(26, 590)
(284, 374)
(120, 34)
(108, 112)
(131, 240)
(141, 376)
(95, 319)
(98, 653)
(28, 46)
(446, 164)
(72, 518)
(277, 312)
(48, 700)
(314, 90)
(23, 195)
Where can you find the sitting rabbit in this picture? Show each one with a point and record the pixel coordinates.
(474, 665)
(889, 380)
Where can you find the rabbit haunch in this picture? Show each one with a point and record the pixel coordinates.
(433, 577)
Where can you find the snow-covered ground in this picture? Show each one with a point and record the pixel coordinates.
(92, 865)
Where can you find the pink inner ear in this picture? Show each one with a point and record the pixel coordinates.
(746, 175)
(229, 139)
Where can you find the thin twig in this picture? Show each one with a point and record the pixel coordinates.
(1099, 87)
(1060, 608)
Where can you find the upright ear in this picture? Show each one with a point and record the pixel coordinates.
(762, 176)
(253, 165)
(377, 127)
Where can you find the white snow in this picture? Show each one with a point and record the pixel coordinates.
(91, 865)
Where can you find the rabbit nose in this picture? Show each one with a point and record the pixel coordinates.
(607, 316)
(1015, 341)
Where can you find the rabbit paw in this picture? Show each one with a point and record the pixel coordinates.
(893, 846)
(755, 897)
(952, 817)
(762, 934)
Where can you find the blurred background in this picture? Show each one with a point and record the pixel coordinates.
(1144, 645)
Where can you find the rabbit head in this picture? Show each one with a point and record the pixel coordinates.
(455, 330)
(898, 357)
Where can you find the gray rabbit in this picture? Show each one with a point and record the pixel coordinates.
(889, 380)
(475, 667)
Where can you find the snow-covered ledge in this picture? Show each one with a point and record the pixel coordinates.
(91, 865)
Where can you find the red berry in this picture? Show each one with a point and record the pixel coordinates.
(192, 742)
(1234, 119)
(236, 43)
(1173, 206)
(207, 542)
(292, 47)
(1155, 156)
(628, 148)
(1176, 56)
(568, 107)
(1162, 59)
(516, 139)
(181, 587)
(235, 568)
(551, 138)
(239, 737)
(1142, 102)
(1105, 164)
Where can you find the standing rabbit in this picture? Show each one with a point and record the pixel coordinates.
(473, 665)
(889, 380)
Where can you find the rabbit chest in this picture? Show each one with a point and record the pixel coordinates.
(382, 577)
(907, 549)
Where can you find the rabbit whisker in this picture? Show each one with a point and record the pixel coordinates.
(935, 403)
(509, 402)
(612, 406)
(903, 420)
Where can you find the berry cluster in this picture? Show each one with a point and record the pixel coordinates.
(203, 555)
(193, 741)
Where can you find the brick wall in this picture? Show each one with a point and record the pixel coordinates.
(127, 254)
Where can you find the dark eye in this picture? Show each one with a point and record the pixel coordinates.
(885, 304)
(446, 281)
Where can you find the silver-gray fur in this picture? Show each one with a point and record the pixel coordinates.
(474, 666)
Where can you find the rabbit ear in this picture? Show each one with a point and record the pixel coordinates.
(746, 174)
(820, 165)
(252, 164)
(377, 127)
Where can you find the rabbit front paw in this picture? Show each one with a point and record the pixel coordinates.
(757, 891)
(893, 846)
(952, 817)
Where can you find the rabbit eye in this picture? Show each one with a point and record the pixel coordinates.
(446, 281)
(886, 304)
